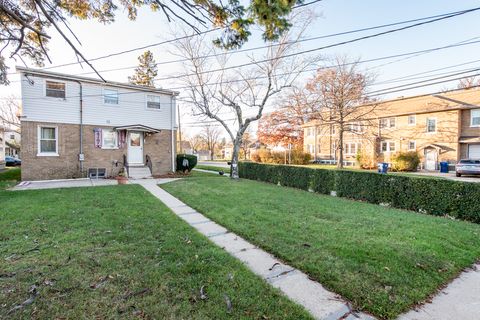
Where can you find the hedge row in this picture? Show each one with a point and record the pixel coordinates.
(440, 197)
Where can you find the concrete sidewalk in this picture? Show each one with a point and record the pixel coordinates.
(296, 285)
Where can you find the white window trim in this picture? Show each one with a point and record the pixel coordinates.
(414, 120)
(111, 104)
(47, 154)
(414, 143)
(45, 89)
(426, 127)
(388, 124)
(146, 102)
(471, 118)
(388, 146)
(349, 148)
(110, 148)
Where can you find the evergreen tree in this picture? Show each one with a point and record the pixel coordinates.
(146, 71)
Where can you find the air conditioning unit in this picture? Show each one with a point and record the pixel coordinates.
(97, 173)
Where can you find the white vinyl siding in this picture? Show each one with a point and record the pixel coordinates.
(475, 118)
(110, 96)
(47, 141)
(109, 139)
(55, 89)
(130, 110)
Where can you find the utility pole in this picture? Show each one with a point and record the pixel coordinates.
(179, 130)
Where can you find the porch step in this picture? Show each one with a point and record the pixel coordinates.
(139, 172)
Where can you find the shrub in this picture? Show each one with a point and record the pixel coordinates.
(405, 161)
(438, 197)
(192, 162)
(297, 156)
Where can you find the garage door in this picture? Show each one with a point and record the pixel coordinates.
(474, 151)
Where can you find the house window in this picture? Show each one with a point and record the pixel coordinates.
(387, 122)
(350, 148)
(12, 137)
(153, 102)
(412, 145)
(110, 96)
(109, 139)
(412, 120)
(55, 89)
(355, 127)
(388, 146)
(475, 118)
(431, 125)
(47, 141)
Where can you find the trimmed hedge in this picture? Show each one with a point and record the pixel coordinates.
(439, 197)
(192, 162)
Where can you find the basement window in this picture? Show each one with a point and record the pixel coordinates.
(55, 89)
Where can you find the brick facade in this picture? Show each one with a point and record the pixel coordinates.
(66, 164)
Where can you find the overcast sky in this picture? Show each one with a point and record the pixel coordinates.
(334, 16)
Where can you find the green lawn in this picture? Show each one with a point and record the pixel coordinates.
(383, 260)
(212, 168)
(117, 252)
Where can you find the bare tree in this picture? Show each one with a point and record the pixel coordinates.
(10, 111)
(467, 83)
(339, 94)
(196, 142)
(246, 143)
(242, 93)
(211, 137)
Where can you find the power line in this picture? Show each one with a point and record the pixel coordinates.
(325, 47)
(288, 42)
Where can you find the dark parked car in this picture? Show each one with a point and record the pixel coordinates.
(467, 166)
(12, 162)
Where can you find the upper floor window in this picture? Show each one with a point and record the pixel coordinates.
(310, 131)
(475, 118)
(412, 120)
(47, 141)
(109, 139)
(412, 145)
(153, 102)
(55, 89)
(355, 127)
(110, 96)
(431, 125)
(387, 123)
(388, 146)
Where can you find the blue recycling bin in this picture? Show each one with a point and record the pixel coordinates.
(443, 167)
(383, 167)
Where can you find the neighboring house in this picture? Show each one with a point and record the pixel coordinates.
(227, 151)
(202, 155)
(440, 127)
(12, 143)
(2, 148)
(186, 147)
(76, 127)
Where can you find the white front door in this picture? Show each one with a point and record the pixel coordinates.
(430, 159)
(135, 147)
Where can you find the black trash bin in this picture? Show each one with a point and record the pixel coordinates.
(444, 167)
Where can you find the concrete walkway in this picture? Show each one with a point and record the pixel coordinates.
(210, 171)
(459, 300)
(66, 183)
(296, 285)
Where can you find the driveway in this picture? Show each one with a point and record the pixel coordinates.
(450, 176)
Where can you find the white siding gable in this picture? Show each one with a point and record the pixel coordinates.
(131, 108)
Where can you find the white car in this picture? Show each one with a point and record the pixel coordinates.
(467, 167)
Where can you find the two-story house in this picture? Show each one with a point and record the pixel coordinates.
(75, 126)
(440, 127)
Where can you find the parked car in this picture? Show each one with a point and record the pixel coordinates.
(468, 167)
(12, 162)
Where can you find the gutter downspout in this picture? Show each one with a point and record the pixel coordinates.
(81, 156)
(172, 113)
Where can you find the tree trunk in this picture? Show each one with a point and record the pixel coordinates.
(211, 154)
(340, 149)
(235, 154)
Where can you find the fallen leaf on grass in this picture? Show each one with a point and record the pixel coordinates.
(137, 293)
(33, 294)
(101, 282)
(203, 295)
